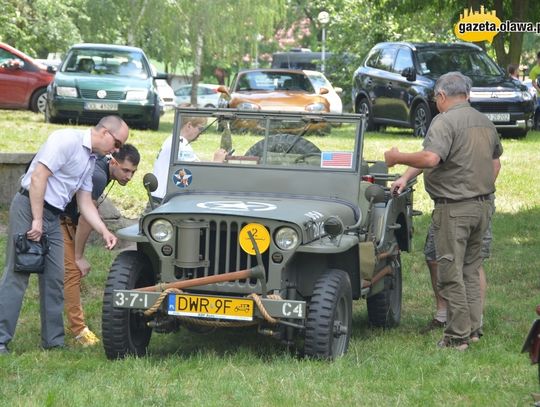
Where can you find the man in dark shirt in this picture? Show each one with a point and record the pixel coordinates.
(119, 168)
(458, 158)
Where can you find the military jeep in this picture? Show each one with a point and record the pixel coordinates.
(282, 235)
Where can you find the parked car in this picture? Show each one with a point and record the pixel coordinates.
(394, 86)
(274, 89)
(318, 80)
(23, 80)
(207, 95)
(286, 90)
(166, 94)
(97, 80)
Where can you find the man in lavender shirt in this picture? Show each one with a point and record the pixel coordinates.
(62, 168)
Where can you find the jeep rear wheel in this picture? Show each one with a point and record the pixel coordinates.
(125, 331)
(421, 119)
(284, 143)
(384, 308)
(329, 316)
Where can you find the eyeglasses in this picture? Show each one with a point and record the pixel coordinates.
(117, 143)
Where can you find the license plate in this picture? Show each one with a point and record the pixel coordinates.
(498, 117)
(200, 306)
(101, 106)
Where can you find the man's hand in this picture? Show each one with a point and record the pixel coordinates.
(83, 266)
(398, 186)
(220, 155)
(391, 156)
(36, 231)
(110, 239)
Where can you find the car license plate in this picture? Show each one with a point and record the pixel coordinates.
(498, 117)
(101, 106)
(210, 307)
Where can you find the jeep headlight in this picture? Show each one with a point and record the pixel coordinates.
(248, 106)
(161, 230)
(136, 95)
(66, 91)
(286, 238)
(316, 107)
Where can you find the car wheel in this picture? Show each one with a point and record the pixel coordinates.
(284, 143)
(124, 330)
(365, 108)
(49, 118)
(329, 316)
(39, 101)
(384, 308)
(421, 119)
(156, 115)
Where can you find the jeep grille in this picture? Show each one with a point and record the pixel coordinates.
(219, 251)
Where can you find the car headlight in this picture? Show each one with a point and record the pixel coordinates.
(526, 95)
(286, 238)
(316, 107)
(136, 95)
(161, 230)
(248, 106)
(66, 91)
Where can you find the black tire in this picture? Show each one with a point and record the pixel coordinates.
(384, 308)
(280, 143)
(421, 120)
(125, 331)
(39, 101)
(329, 316)
(156, 116)
(364, 107)
(48, 117)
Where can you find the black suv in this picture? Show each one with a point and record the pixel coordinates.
(394, 86)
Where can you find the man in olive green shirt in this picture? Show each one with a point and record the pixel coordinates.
(458, 160)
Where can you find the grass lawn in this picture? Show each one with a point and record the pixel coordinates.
(231, 367)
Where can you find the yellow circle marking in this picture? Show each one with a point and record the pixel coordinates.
(260, 234)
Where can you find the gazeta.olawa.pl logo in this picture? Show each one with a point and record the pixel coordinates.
(483, 25)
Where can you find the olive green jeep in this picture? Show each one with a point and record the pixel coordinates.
(282, 235)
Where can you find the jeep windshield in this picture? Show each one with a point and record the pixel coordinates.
(265, 139)
(473, 63)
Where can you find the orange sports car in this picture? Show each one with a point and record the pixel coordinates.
(274, 89)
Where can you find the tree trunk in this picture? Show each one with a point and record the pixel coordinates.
(197, 67)
(515, 39)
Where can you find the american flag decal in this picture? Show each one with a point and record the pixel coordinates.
(336, 159)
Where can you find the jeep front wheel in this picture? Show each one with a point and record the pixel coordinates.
(329, 316)
(384, 308)
(124, 330)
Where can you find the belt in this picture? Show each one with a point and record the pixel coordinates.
(451, 201)
(46, 205)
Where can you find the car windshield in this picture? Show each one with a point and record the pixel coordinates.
(106, 62)
(273, 81)
(296, 142)
(436, 62)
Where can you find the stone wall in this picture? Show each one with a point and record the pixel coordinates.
(12, 166)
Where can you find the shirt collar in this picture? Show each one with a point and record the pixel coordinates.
(459, 106)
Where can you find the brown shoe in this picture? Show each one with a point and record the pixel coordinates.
(432, 325)
(454, 343)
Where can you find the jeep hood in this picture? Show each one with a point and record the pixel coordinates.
(294, 209)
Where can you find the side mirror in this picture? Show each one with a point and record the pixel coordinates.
(338, 90)
(323, 91)
(51, 69)
(409, 74)
(150, 183)
(161, 75)
(375, 193)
